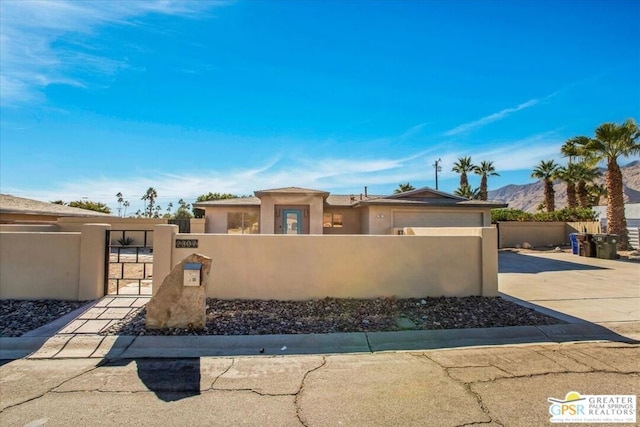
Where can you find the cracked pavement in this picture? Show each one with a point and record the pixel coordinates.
(499, 385)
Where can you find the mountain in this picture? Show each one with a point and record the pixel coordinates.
(529, 196)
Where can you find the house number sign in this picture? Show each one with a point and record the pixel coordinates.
(186, 243)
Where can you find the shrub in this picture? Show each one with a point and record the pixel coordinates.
(125, 241)
(561, 215)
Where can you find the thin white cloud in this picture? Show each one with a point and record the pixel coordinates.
(466, 127)
(338, 175)
(31, 59)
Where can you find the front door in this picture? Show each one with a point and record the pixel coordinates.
(291, 221)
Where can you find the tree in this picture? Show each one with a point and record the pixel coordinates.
(126, 205)
(547, 171)
(59, 202)
(485, 170)
(149, 197)
(403, 188)
(571, 149)
(568, 174)
(183, 211)
(120, 200)
(585, 174)
(89, 205)
(199, 213)
(612, 141)
(596, 192)
(468, 192)
(463, 166)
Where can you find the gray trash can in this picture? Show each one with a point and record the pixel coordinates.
(587, 246)
(606, 245)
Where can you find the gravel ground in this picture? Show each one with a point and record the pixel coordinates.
(19, 316)
(253, 317)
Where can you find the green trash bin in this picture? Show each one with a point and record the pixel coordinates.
(586, 245)
(606, 245)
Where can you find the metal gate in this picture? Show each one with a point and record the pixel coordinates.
(184, 224)
(129, 262)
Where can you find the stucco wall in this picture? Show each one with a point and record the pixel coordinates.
(33, 228)
(350, 221)
(383, 219)
(217, 217)
(541, 234)
(347, 266)
(63, 266)
(269, 202)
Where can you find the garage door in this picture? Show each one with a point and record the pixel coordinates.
(440, 219)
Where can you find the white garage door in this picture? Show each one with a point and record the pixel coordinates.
(440, 219)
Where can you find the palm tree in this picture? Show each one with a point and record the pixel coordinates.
(572, 148)
(547, 171)
(120, 200)
(468, 192)
(612, 141)
(486, 169)
(585, 174)
(126, 205)
(150, 196)
(462, 166)
(403, 187)
(568, 174)
(596, 192)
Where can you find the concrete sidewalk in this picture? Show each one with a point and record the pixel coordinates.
(575, 289)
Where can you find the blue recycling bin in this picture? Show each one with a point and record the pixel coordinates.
(575, 249)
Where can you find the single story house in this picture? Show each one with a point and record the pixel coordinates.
(295, 210)
(18, 210)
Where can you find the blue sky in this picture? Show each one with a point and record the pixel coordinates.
(190, 97)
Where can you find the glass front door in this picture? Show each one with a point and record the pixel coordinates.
(291, 221)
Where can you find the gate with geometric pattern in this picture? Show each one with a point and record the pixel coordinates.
(129, 262)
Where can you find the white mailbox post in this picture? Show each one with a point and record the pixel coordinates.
(192, 274)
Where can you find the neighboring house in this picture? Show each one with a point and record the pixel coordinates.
(295, 210)
(631, 213)
(15, 210)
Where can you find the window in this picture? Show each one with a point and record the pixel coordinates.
(242, 223)
(332, 220)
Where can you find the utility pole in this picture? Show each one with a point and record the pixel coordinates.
(438, 167)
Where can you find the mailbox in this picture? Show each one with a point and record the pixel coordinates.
(192, 274)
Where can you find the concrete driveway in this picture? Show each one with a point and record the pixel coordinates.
(605, 292)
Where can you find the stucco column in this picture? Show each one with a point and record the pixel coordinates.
(163, 238)
(489, 262)
(93, 253)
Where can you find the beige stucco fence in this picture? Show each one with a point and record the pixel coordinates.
(432, 262)
(53, 265)
(541, 234)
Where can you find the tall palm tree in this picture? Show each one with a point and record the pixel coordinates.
(120, 200)
(485, 169)
(570, 149)
(463, 166)
(150, 196)
(585, 174)
(612, 141)
(596, 192)
(468, 192)
(568, 174)
(403, 187)
(547, 171)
